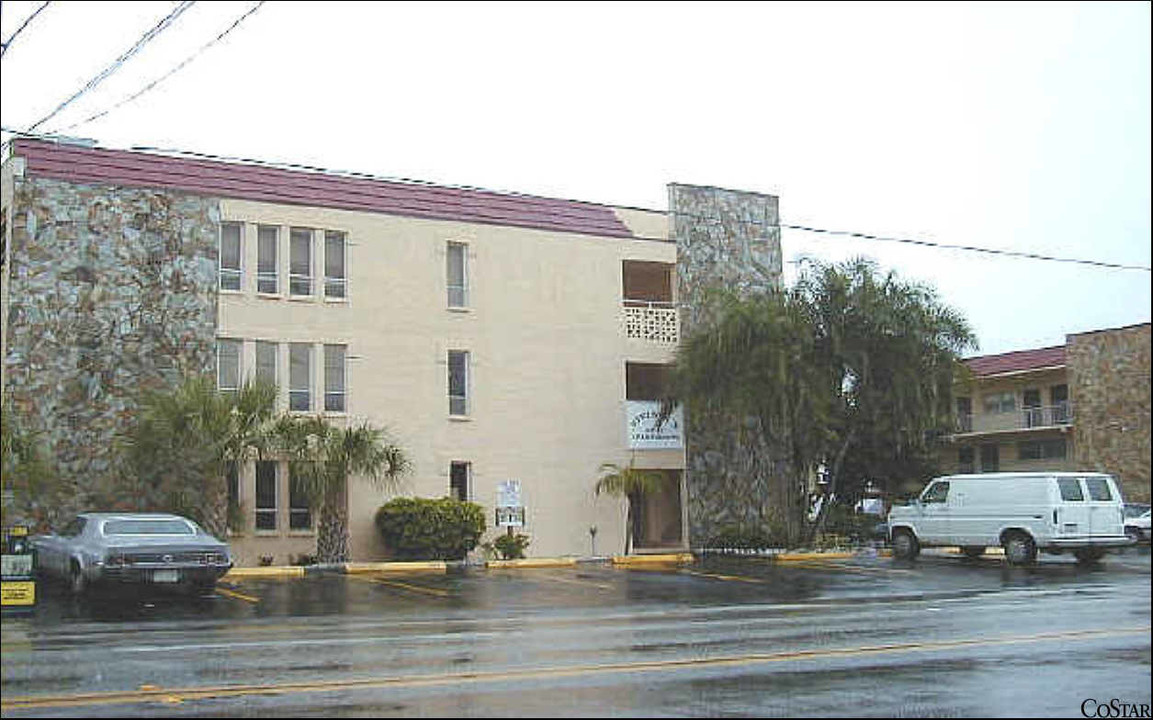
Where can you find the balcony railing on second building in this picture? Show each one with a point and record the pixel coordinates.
(655, 321)
(1021, 419)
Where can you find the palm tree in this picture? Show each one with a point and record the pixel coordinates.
(179, 451)
(632, 484)
(321, 457)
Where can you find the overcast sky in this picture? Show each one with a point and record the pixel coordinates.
(1023, 127)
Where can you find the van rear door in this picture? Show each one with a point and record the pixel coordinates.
(1104, 505)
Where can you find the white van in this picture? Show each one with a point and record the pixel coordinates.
(1022, 512)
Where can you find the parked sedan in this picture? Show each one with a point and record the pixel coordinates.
(1137, 528)
(134, 549)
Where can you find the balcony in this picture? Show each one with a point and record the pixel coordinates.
(1022, 419)
(653, 321)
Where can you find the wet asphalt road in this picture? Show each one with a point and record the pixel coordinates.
(865, 637)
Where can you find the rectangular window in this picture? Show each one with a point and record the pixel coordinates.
(266, 478)
(300, 377)
(457, 275)
(228, 365)
(267, 262)
(998, 403)
(1059, 396)
(1098, 489)
(1041, 449)
(300, 262)
(334, 400)
(1070, 489)
(335, 280)
(965, 460)
(458, 481)
(230, 255)
(457, 382)
(266, 353)
(299, 511)
(990, 458)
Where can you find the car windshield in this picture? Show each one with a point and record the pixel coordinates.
(1133, 510)
(148, 527)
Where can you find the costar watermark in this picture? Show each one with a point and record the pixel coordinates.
(1114, 708)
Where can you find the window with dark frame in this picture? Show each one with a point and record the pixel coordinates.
(299, 510)
(266, 480)
(335, 281)
(267, 259)
(458, 481)
(458, 382)
(457, 270)
(230, 255)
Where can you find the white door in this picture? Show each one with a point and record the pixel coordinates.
(934, 526)
(1073, 516)
(1104, 516)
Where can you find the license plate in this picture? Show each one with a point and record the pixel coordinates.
(165, 576)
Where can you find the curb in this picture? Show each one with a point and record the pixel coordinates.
(264, 572)
(801, 557)
(531, 563)
(667, 559)
(356, 568)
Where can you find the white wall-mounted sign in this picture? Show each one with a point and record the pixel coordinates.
(509, 505)
(646, 433)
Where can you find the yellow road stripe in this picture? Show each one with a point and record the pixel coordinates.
(577, 582)
(184, 694)
(238, 596)
(404, 586)
(731, 578)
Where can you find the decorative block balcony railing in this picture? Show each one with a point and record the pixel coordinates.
(653, 321)
(1021, 419)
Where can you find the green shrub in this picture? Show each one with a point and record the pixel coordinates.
(511, 547)
(425, 529)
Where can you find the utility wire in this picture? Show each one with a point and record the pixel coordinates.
(118, 62)
(708, 218)
(166, 75)
(8, 43)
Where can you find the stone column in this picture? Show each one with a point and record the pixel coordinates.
(728, 239)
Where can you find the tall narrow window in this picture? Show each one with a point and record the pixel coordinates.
(230, 254)
(334, 378)
(457, 275)
(457, 382)
(266, 478)
(1059, 396)
(228, 365)
(266, 361)
(267, 264)
(458, 481)
(300, 377)
(990, 458)
(299, 510)
(334, 278)
(300, 262)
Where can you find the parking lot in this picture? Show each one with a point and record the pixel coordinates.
(860, 636)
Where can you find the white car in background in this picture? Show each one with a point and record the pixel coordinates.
(1137, 522)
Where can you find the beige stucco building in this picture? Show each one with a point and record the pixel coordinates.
(498, 337)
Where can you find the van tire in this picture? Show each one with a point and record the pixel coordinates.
(905, 545)
(1019, 549)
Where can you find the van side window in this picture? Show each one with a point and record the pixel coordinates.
(1070, 489)
(937, 493)
(1098, 489)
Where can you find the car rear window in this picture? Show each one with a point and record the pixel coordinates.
(1070, 489)
(1098, 489)
(148, 527)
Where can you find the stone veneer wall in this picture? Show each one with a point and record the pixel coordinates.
(1109, 389)
(112, 290)
(726, 239)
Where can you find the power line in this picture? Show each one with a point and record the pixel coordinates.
(8, 43)
(166, 75)
(712, 219)
(118, 62)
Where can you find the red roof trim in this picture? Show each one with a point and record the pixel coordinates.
(1021, 360)
(84, 165)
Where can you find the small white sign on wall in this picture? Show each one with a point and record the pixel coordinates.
(510, 510)
(646, 432)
